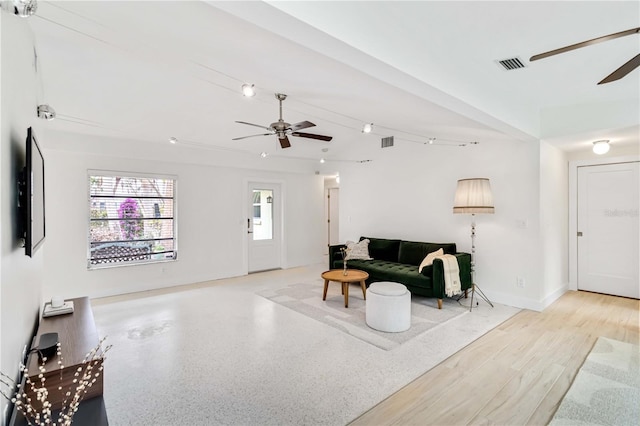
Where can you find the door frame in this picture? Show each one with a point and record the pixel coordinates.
(244, 211)
(573, 207)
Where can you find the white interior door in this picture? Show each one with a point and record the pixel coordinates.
(264, 228)
(333, 198)
(608, 231)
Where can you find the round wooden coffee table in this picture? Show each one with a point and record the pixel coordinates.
(353, 276)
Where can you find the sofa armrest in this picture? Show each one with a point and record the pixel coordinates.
(464, 264)
(335, 255)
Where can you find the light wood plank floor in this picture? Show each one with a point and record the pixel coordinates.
(518, 373)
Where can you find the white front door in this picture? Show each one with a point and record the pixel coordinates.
(264, 229)
(608, 231)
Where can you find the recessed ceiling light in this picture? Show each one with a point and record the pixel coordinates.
(248, 90)
(263, 155)
(173, 140)
(322, 160)
(601, 147)
(367, 128)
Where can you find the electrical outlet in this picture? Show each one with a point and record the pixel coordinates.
(520, 282)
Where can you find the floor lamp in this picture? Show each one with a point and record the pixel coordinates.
(474, 196)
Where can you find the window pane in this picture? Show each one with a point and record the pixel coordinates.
(263, 228)
(131, 220)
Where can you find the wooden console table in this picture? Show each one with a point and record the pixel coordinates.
(78, 335)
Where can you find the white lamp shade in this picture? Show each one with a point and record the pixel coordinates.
(473, 196)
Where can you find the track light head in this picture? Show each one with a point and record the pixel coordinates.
(46, 112)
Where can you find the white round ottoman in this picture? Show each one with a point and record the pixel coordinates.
(388, 307)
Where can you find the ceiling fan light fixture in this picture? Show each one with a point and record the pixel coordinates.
(601, 147)
(367, 128)
(248, 90)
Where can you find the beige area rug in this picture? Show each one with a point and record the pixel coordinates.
(306, 298)
(606, 390)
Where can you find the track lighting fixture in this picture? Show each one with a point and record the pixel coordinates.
(22, 8)
(46, 112)
(601, 147)
(367, 128)
(248, 90)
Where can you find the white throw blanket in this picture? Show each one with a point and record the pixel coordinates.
(452, 284)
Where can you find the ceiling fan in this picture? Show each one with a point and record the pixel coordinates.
(625, 69)
(283, 129)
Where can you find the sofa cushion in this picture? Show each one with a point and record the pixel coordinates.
(381, 270)
(383, 249)
(428, 260)
(359, 250)
(412, 253)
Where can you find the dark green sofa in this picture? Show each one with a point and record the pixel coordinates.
(398, 261)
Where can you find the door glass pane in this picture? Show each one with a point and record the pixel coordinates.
(262, 214)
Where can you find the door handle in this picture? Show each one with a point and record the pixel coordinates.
(249, 231)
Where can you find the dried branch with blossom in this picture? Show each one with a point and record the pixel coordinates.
(40, 411)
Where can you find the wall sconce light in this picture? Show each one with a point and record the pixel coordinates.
(248, 90)
(46, 112)
(269, 199)
(601, 147)
(338, 178)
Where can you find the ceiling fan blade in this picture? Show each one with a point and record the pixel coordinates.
(625, 69)
(312, 136)
(284, 142)
(255, 125)
(585, 44)
(251, 136)
(301, 125)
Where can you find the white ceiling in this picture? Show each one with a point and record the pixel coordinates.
(152, 70)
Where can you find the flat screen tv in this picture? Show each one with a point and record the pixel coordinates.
(32, 196)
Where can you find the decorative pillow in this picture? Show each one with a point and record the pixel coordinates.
(429, 259)
(358, 250)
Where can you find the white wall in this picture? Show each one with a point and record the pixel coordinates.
(407, 192)
(554, 222)
(212, 214)
(20, 276)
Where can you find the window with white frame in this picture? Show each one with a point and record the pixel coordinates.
(131, 219)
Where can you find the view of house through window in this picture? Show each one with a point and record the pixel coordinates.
(131, 220)
(262, 214)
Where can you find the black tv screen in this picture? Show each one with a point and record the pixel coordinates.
(34, 220)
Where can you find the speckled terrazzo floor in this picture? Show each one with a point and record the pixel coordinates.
(218, 353)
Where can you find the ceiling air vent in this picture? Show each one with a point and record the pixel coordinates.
(511, 63)
(387, 142)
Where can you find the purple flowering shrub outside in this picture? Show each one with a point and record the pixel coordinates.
(130, 228)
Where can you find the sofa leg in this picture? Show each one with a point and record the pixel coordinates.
(439, 303)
